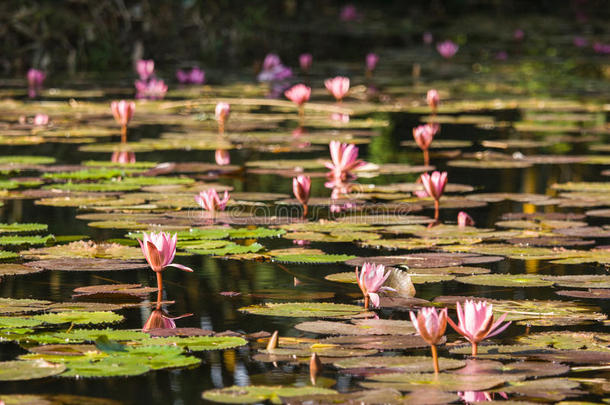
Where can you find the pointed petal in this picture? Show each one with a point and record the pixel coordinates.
(181, 267)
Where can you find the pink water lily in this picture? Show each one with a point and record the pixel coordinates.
(349, 12)
(476, 322)
(299, 94)
(123, 157)
(431, 326)
(433, 99)
(370, 281)
(301, 187)
(153, 89)
(337, 86)
(222, 114)
(210, 201)
(159, 319)
(464, 220)
(40, 120)
(222, 157)
(371, 62)
(447, 49)
(434, 185)
(423, 136)
(273, 69)
(159, 249)
(344, 159)
(194, 76)
(122, 112)
(305, 61)
(35, 79)
(145, 68)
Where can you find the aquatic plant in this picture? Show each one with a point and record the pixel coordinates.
(159, 250)
(193, 76)
(210, 201)
(145, 68)
(41, 120)
(301, 187)
(344, 159)
(222, 114)
(123, 157)
(431, 326)
(447, 49)
(35, 80)
(433, 99)
(160, 319)
(305, 61)
(337, 86)
(464, 220)
(370, 281)
(434, 185)
(476, 322)
(371, 63)
(299, 94)
(424, 135)
(122, 112)
(222, 157)
(273, 69)
(152, 89)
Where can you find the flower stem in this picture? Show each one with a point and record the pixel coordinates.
(366, 301)
(221, 127)
(305, 209)
(474, 349)
(436, 207)
(301, 115)
(123, 133)
(159, 287)
(434, 358)
(426, 157)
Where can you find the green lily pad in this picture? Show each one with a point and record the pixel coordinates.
(23, 228)
(18, 306)
(407, 364)
(506, 280)
(443, 381)
(79, 318)
(254, 394)
(228, 249)
(18, 322)
(20, 370)
(198, 343)
(245, 233)
(108, 367)
(4, 255)
(312, 258)
(26, 160)
(581, 281)
(552, 389)
(24, 240)
(568, 340)
(304, 310)
(381, 327)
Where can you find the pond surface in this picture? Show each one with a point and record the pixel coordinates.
(528, 170)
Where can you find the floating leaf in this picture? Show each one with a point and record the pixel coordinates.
(568, 340)
(443, 381)
(361, 327)
(81, 264)
(312, 258)
(254, 394)
(506, 280)
(407, 364)
(28, 370)
(22, 228)
(304, 310)
(199, 343)
(79, 318)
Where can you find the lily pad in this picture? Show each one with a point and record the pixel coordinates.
(23, 228)
(407, 364)
(506, 280)
(254, 394)
(305, 310)
(82, 264)
(20, 370)
(443, 381)
(312, 258)
(79, 318)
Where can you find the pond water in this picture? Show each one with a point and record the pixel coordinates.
(526, 139)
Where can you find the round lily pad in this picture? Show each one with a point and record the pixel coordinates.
(81, 264)
(20, 370)
(305, 310)
(14, 269)
(198, 343)
(506, 280)
(568, 340)
(580, 281)
(443, 381)
(254, 394)
(108, 367)
(312, 258)
(79, 318)
(407, 364)
(22, 228)
(361, 327)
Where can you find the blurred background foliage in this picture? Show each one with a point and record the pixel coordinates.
(107, 35)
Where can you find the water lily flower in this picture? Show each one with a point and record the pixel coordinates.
(349, 13)
(305, 61)
(315, 368)
(299, 94)
(344, 159)
(122, 112)
(159, 250)
(424, 135)
(580, 42)
(210, 201)
(35, 79)
(153, 89)
(431, 326)
(159, 319)
(41, 120)
(337, 86)
(222, 114)
(222, 157)
(145, 68)
(598, 47)
(464, 220)
(476, 322)
(301, 186)
(433, 99)
(518, 34)
(427, 37)
(344, 118)
(273, 69)
(123, 157)
(371, 63)
(434, 185)
(447, 49)
(370, 281)
(194, 76)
